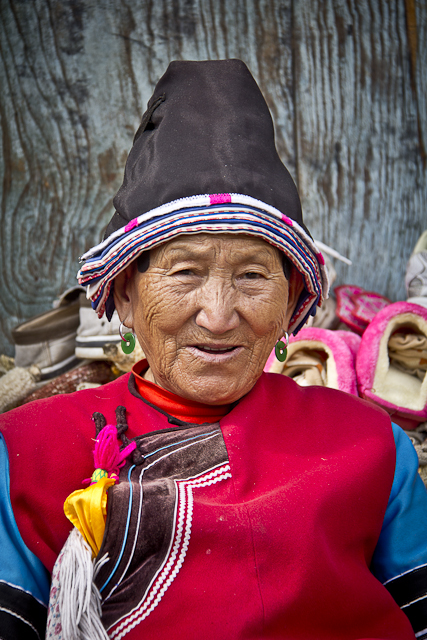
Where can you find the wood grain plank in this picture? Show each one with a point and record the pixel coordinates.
(76, 76)
(64, 157)
(350, 122)
(360, 169)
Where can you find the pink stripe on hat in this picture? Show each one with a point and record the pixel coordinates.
(219, 198)
(287, 220)
(130, 225)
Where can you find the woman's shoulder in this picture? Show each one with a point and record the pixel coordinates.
(57, 411)
(49, 445)
(322, 403)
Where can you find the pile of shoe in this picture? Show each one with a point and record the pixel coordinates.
(378, 352)
(320, 357)
(48, 340)
(63, 350)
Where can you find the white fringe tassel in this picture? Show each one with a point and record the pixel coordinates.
(79, 615)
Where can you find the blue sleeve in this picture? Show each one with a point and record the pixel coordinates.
(24, 581)
(400, 558)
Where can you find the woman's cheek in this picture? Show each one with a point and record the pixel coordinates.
(166, 310)
(266, 317)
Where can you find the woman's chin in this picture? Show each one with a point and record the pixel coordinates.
(214, 391)
(216, 378)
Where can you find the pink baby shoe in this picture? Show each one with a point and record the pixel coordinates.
(391, 363)
(320, 357)
(352, 341)
(357, 307)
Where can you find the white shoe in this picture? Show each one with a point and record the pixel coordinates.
(94, 334)
(416, 269)
(47, 340)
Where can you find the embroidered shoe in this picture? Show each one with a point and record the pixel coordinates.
(357, 307)
(391, 363)
(320, 357)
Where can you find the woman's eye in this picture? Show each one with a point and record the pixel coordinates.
(252, 275)
(184, 272)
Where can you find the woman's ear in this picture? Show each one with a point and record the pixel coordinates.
(295, 287)
(123, 295)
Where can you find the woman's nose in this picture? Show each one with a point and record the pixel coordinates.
(217, 310)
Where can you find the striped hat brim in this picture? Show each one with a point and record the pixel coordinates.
(210, 213)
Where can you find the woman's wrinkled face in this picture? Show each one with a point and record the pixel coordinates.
(207, 313)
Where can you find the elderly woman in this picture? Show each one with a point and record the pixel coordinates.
(246, 507)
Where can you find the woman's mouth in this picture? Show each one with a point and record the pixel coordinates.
(214, 352)
(203, 347)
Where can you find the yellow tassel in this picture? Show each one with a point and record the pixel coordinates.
(87, 510)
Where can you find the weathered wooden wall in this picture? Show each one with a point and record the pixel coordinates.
(345, 80)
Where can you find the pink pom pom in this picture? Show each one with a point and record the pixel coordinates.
(287, 220)
(130, 225)
(107, 454)
(219, 198)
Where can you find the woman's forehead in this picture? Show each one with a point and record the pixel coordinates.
(236, 246)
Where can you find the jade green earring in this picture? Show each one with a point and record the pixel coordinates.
(281, 348)
(128, 340)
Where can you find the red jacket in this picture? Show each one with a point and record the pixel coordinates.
(279, 512)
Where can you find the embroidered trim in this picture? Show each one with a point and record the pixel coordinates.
(15, 586)
(141, 496)
(409, 590)
(177, 550)
(195, 201)
(21, 607)
(405, 573)
(192, 441)
(414, 602)
(417, 614)
(15, 615)
(409, 587)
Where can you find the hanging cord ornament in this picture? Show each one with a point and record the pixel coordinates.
(128, 340)
(281, 348)
(75, 602)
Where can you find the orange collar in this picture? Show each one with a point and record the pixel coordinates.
(185, 410)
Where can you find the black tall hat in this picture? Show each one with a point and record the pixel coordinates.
(207, 129)
(204, 159)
